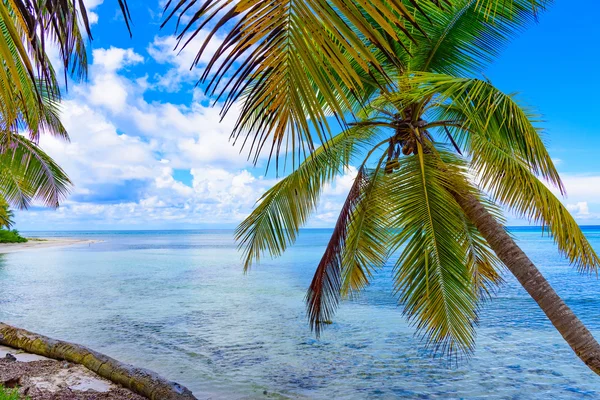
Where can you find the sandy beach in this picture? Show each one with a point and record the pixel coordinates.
(34, 244)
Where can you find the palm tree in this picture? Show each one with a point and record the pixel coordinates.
(6, 215)
(405, 65)
(29, 101)
(439, 154)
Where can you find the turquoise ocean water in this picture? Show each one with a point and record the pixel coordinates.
(177, 302)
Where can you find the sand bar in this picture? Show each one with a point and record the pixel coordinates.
(35, 243)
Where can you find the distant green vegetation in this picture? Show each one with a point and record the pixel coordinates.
(9, 394)
(11, 236)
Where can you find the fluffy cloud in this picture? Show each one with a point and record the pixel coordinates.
(109, 89)
(582, 186)
(113, 58)
(125, 153)
(580, 209)
(90, 5)
(161, 50)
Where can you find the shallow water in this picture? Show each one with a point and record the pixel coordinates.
(178, 303)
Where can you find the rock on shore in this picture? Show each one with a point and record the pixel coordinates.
(42, 378)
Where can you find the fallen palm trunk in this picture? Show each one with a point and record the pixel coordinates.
(139, 380)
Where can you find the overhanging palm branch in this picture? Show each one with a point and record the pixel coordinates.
(511, 182)
(29, 99)
(51, 21)
(366, 249)
(283, 209)
(506, 152)
(286, 60)
(27, 103)
(485, 266)
(324, 290)
(467, 35)
(432, 279)
(28, 174)
(471, 107)
(358, 247)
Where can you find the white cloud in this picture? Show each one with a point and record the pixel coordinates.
(162, 50)
(126, 152)
(108, 88)
(582, 196)
(97, 153)
(113, 58)
(89, 6)
(580, 209)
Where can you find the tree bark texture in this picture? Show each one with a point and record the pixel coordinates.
(560, 315)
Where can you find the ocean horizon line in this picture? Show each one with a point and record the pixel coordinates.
(26, 231)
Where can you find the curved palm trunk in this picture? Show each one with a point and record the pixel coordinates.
(562, 317)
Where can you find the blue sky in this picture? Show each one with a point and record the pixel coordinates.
(148, 152)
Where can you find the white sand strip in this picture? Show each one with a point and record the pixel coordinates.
(33, 244)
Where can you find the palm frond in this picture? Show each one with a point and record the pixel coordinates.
(432, 279)
(28, 174)
(508, 155)
(324, 292)
(6, 215)
(358, 246)
(483, 263)
(510, 181)
(26, 102)
(273, 225)
(287, 60)
(465, 36)
(51, 21)
(48, 115)
(368, 236)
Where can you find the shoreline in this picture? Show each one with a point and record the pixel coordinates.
(43, 243)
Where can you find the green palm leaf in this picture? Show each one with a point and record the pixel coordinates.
(368, 235)
(433, 282)
(291, 60)
(358, 246)
(37, 23)
(324, 290)
(483, 263)
(510, 180)
(287, 60)
(6, 215)
(28, 174)
(27, 103)
(467, 35)
(283, 209)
